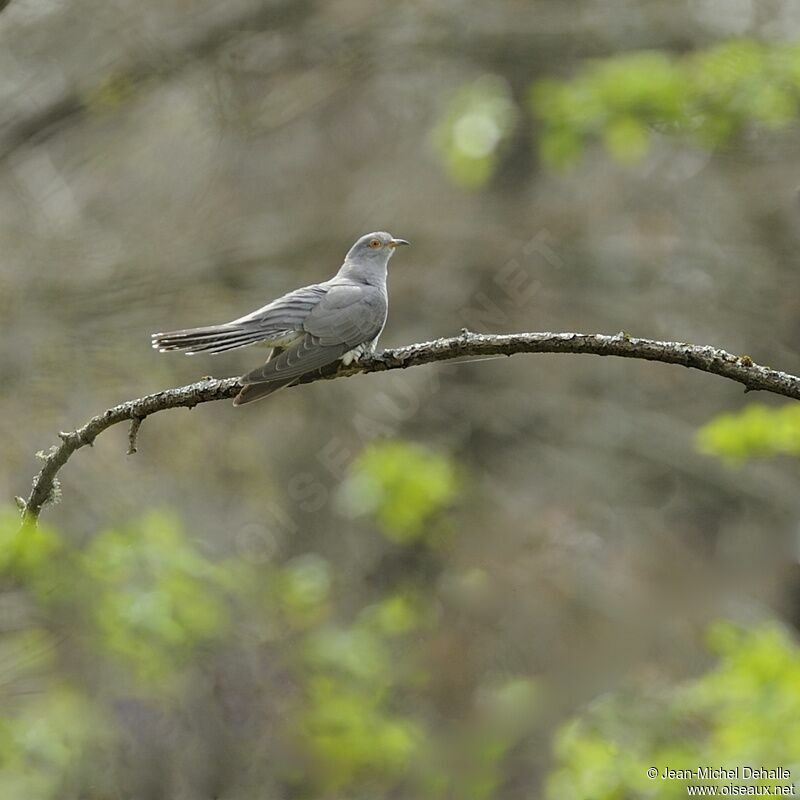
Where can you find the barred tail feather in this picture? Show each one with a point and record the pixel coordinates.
(211, 339)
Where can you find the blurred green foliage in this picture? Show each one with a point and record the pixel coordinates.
(743, 712)
(757, 431)
(709, 96)
(47, 747)
(403, 486)
(346, 719)
(474, 127)
(155, 598)
(139, 614)
(26, 552)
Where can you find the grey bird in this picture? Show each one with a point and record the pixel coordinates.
(309, 328)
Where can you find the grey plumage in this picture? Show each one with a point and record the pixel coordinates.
(308, 328)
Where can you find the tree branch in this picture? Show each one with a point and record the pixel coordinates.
(707, 359)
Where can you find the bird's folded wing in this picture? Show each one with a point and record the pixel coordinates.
(305, 356)
(349, 314)
(287, 312)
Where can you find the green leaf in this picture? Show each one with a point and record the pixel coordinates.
(710, 96)
(758, 431)
(403, 485)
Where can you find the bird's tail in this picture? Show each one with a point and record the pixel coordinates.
(211, 339)
(258, 391)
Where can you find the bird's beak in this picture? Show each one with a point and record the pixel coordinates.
(397, 242)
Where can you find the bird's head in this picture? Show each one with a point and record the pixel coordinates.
(375, 248)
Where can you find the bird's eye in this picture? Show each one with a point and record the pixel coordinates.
(375, 243)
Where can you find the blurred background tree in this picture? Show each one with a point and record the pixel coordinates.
(504, 579)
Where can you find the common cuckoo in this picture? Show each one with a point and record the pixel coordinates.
(340, 319)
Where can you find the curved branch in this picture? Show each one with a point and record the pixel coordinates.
(707, 359)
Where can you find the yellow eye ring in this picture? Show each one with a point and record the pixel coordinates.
(375, 243)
